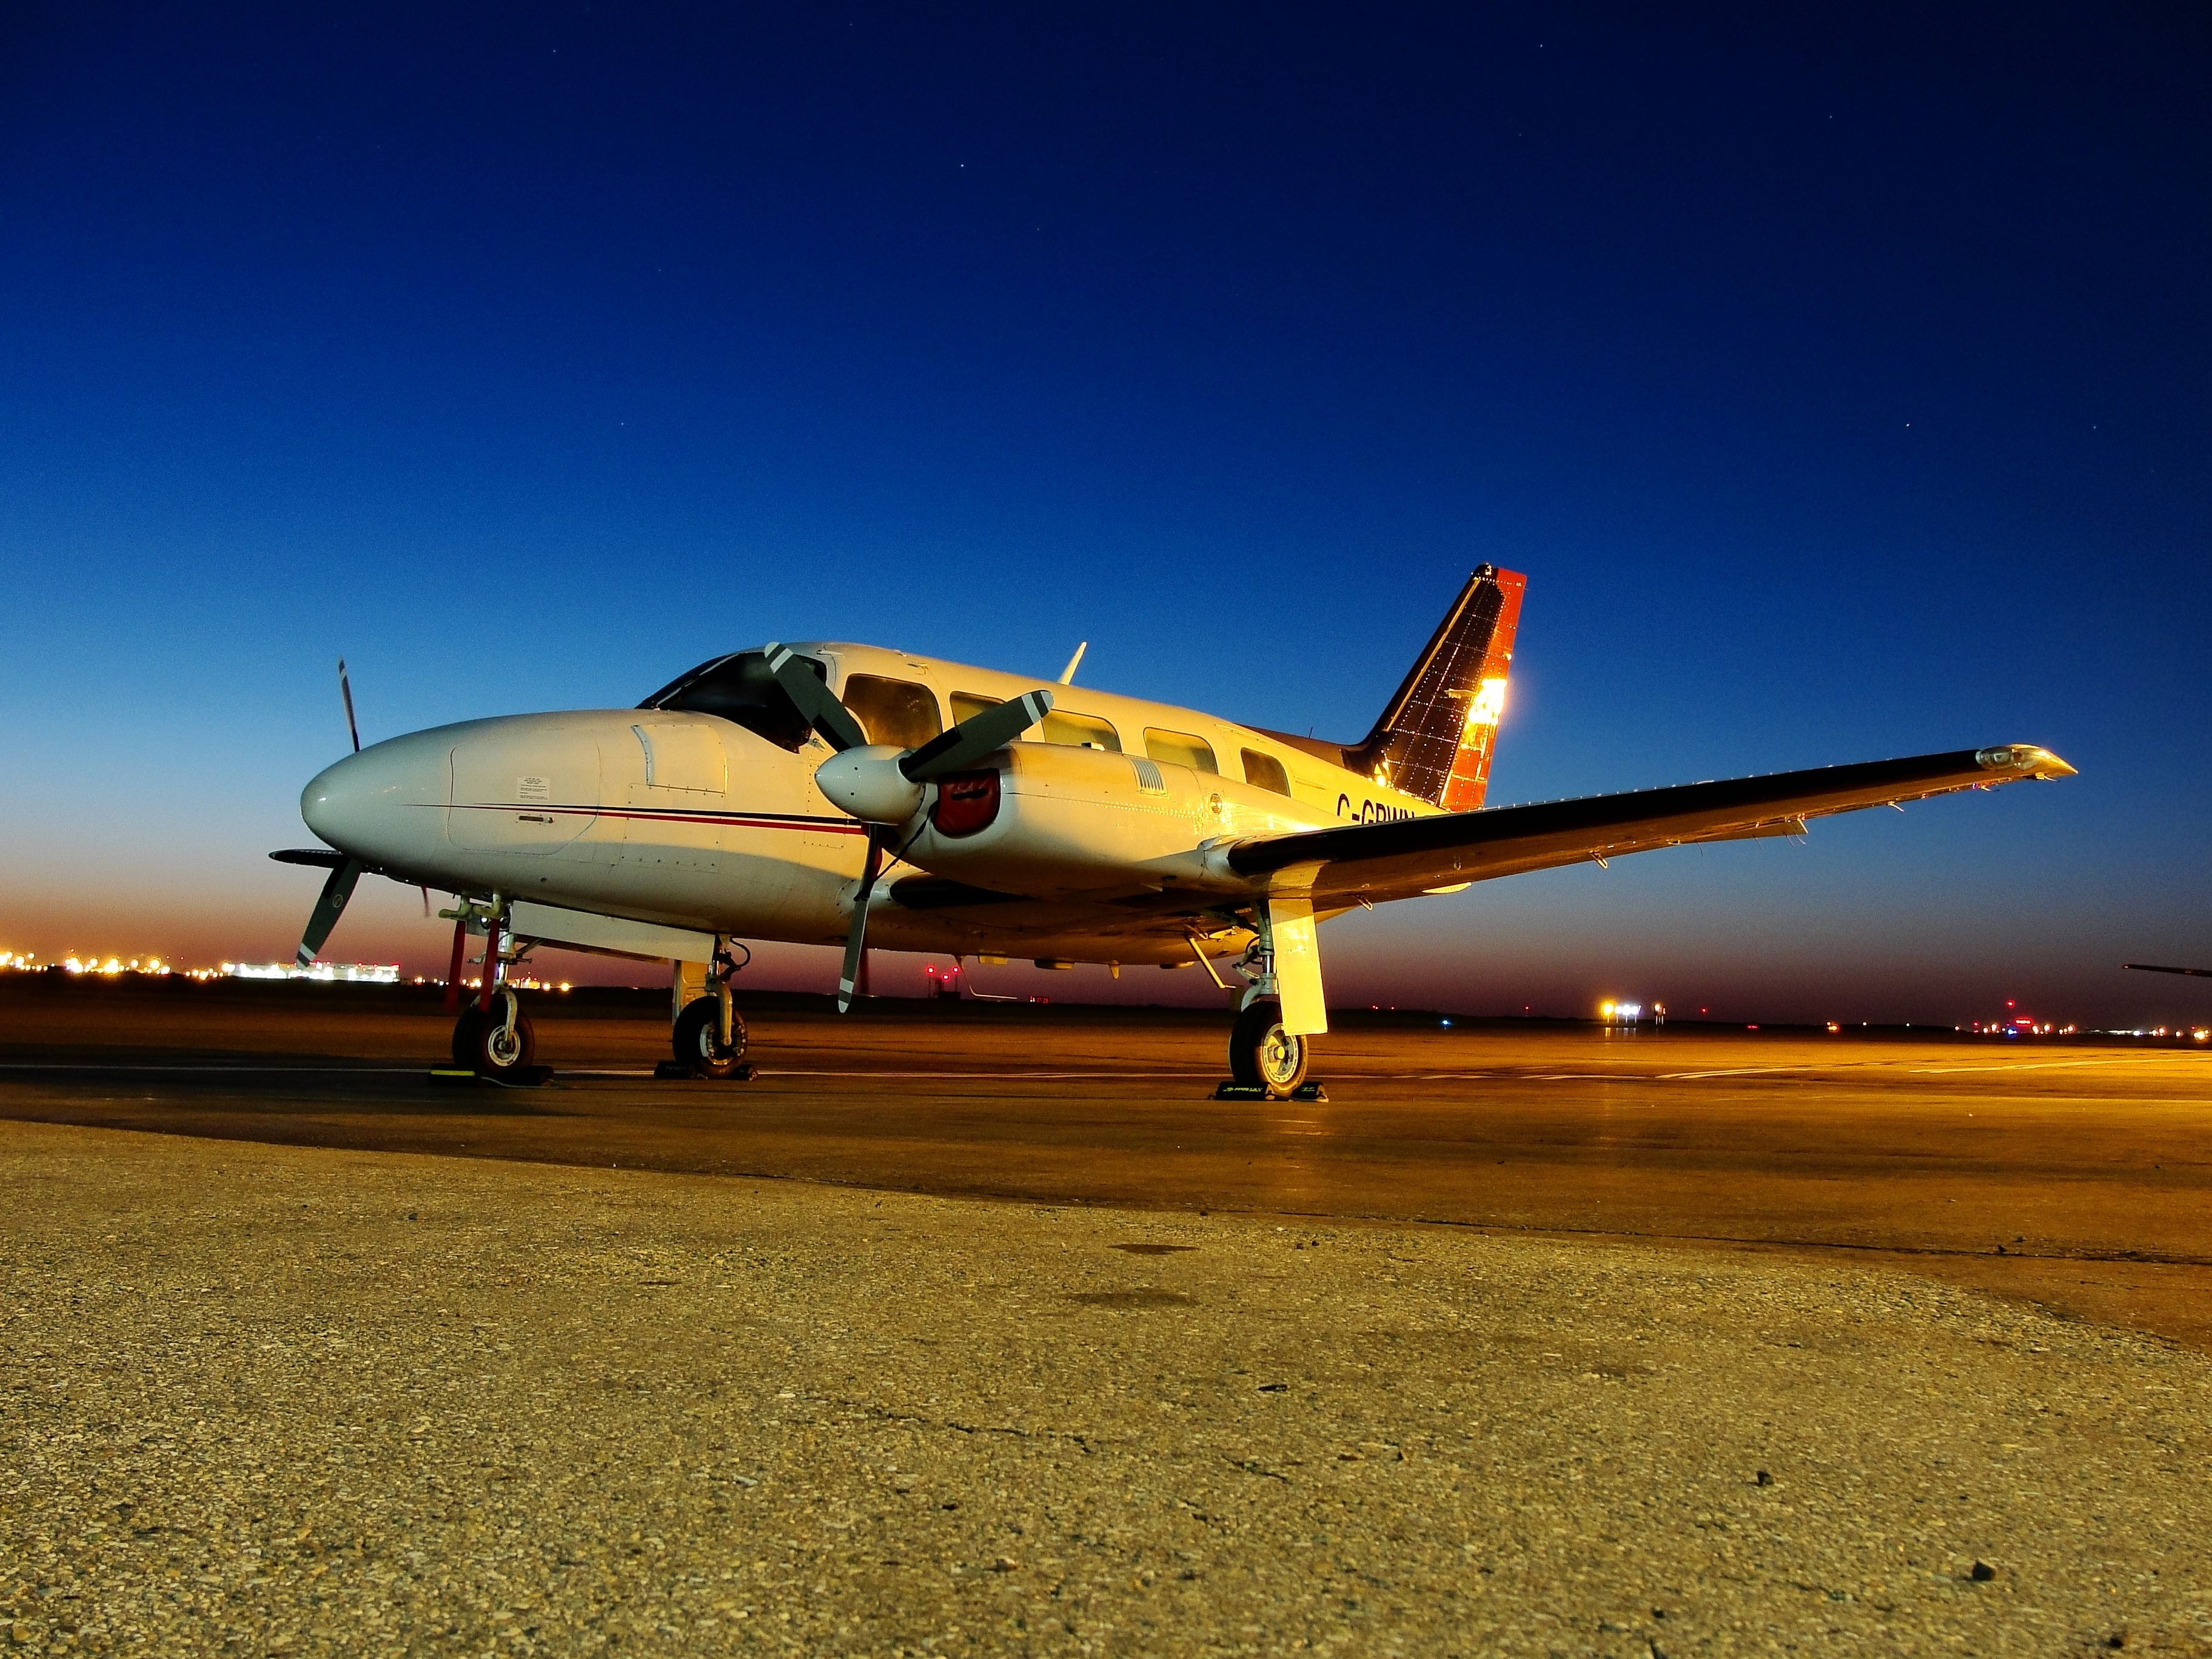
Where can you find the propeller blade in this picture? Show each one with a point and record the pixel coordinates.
(345, 691)
(817, 703)
(328, 909)
(853, 980)
(321, 857)
(980, 734)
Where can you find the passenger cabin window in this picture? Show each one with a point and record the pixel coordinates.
(897, 712)
(965, 703)
(740, 689)
(1079, 732)
(1264, 771)
(1179, 748)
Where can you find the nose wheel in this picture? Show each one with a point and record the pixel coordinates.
(497, 1043)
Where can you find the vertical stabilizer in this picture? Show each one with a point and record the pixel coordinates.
(1435, 738)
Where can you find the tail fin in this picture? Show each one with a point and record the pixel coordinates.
(1435, 738)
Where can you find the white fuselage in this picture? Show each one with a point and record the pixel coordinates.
(691, 821)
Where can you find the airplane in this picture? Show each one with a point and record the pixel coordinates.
(832, 793)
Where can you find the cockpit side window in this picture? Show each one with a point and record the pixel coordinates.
(740, 689)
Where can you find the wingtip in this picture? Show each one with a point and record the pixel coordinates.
(2025, 760)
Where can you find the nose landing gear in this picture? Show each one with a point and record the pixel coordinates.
(493, 1038)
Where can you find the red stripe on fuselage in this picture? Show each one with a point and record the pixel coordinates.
(662, 815)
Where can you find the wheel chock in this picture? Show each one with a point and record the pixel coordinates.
(675, 1070)
(1306, 1091)
(527, 1077)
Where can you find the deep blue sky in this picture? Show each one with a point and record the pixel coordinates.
(1843, 386)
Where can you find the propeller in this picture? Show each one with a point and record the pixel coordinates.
(325, 916)
(853, 978)
(816, 702)
(345, 691)
(880, 784)
(345, 872)
(984, 732)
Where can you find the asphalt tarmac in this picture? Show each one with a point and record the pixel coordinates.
(2075, 1176)
(985, 1331)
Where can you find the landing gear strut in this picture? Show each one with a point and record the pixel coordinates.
(709, 1036)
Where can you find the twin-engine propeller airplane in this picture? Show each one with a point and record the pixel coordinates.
(832, 794)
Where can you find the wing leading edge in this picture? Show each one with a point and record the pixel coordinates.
(1374, 861)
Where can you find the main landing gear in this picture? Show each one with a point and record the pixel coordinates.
(1266, 1060)
(492, 1037)
(709, 1035)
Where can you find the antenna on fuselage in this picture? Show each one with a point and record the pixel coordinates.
(1067, 674)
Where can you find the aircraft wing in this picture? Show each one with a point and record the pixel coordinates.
(1370, 862)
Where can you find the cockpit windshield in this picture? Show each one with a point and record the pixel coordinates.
(739, 688)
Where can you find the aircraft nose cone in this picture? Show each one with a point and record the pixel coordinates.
(384, 805)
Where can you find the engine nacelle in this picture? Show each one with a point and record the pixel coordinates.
(1053, 821)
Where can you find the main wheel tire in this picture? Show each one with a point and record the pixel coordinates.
(503, 1043)
(466, 1029)
(698, 1039)
(1263, 1055)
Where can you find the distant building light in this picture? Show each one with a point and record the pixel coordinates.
(323, 973)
